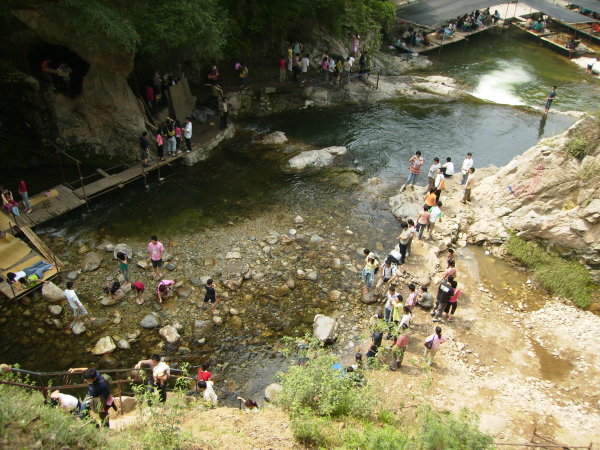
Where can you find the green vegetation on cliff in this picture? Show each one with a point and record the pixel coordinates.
(561, 276)
(330, 408)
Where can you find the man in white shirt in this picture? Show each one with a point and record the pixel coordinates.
(187, 134)
(448, 167)
(433, 170)
(435, 216)
(159, 377)
(75, 304)
(304, 63)
(466, 165)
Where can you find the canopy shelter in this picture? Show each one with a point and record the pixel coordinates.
(435, 12)
(558, 13)
(592, 5)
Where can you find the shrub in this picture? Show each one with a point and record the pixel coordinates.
(579, 147)
(313, 431)
(444, 430)
(318, 387)
(561, 276)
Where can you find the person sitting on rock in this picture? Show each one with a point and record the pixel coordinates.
(112, 287)
(164, 289)
(425, 299)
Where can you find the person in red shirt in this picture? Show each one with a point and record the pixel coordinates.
(203, 373)
(24, 196)
(282, 64)
(138, 289)
(414, 168)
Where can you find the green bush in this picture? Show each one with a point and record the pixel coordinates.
(579, 147)
(318, 387)
(562, 277)
(380, 438)
(313, 431)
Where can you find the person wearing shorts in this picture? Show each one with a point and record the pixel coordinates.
(156, 250)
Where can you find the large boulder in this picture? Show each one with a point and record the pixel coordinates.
(104, 345)
(325, 328)
(123, 248)
(316, 158)
(149, 321)
(407, 204)
(273, 138)
(52, 292)
(272, 391)
(91, 262)
(169, 333)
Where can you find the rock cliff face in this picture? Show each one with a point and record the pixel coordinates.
(546, 195)
(106, 115)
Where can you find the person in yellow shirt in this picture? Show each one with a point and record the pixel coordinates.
(368, 272)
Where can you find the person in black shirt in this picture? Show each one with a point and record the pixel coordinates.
(445, 293)
(99, 389)
(211, 295)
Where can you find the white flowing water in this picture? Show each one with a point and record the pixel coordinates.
(501, 85)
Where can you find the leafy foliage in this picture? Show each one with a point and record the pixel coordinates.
(579, 147)
(561, 276)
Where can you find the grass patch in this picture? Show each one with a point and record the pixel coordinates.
(561, 276)
(26, 422)
(579, 147)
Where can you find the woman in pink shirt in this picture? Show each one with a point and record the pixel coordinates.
(432, 345)
(450, 308)
(422, 220)
(164, 288)
(160, 145)
(178, 136)
(450, 271)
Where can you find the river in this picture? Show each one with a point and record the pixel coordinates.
(240, 193)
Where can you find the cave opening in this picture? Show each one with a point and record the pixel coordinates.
(57, 66)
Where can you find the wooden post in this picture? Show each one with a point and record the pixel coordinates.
(82, 186)
(378, 73)
(120, 397)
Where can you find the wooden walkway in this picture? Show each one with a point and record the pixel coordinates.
(438, 41)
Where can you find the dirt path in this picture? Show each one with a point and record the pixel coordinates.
(531, 374)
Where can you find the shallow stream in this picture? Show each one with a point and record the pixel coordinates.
(241, 193)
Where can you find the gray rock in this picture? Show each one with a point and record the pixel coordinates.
(55, 309)
(316, 239)
(105, 246)
(233, 255)
(298, 220)
(184, 291)
(292, 233)
(171, 266)
(52, 292)
(266, 249)
(272, 239)
(149, 321)
(368, 298)
(142, 264)
(108, 300)
(202, 328)
(324, 328)
(78, 328)
(170, 334)
(316, 158)
(123, 344)
(273, 138)
(199, 281)
(334, 295)
(233, 311)
(337, 263)
(271, 391)
(104, 345)
(217, 320)
(91, 262)
(72, 276)
(312, 275)
(123, 248)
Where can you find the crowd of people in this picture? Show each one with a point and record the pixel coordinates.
(394, 321)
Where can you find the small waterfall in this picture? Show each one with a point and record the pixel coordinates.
(499, 85)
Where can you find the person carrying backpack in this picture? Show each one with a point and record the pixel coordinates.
(432, 345)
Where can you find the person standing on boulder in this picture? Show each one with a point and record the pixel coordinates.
(439, 183)
(75, 304)
(156, 250)
(414, 169)
(550, 99)
(433, 170)
(368, 272)
(466, 165)
(435, 216)
(470, 183)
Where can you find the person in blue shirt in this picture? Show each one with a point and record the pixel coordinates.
(98, 388)
(550, 99)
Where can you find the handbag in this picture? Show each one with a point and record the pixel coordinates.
(429, 344)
